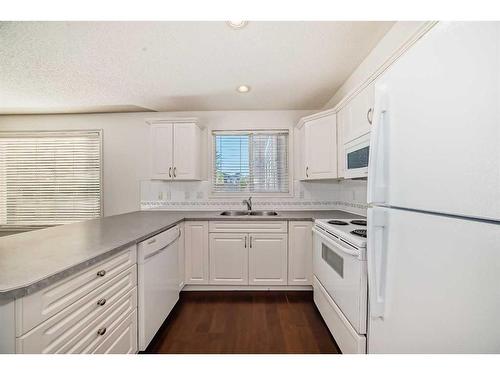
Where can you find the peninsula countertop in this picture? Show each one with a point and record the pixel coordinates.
(32, 260)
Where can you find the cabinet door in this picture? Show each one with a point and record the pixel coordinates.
(340, 143)
(229, 258)
(321, 148)
(300, 253)
(300, 159)
(267, 259)
(161, 151)
(182, 256)
(358, 115)
(187, 152)
(196, 251)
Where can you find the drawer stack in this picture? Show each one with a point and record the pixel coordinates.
(92, 311)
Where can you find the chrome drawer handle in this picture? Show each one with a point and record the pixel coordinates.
(101, 331)
(151, 241)
(101, 302)
(101, 273)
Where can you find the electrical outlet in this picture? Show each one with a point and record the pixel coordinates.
(301, 194)
(199, 195)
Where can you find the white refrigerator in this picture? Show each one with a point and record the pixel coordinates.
(434, 196)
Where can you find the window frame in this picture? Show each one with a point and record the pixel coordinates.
(49, 133)
(211, 160)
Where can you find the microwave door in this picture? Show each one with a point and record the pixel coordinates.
(357, 157)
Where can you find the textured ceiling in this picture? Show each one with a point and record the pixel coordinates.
(62, 67)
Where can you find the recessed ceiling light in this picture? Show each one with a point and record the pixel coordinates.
(237, 24)
(243, 88)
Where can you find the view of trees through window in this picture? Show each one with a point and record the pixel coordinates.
(251, 162)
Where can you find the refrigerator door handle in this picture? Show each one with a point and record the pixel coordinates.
(377, 260)
(377, 184)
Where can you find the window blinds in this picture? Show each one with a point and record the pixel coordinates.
(250, 162)
(49, 178)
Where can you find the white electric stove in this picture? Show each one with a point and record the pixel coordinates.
(340, 280)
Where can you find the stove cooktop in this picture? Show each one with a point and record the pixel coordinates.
(350, 230)
(359, 232)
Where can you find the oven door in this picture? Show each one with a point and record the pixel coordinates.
(337, 265)
(356, 156)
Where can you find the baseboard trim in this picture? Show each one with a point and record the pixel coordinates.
(245, 287)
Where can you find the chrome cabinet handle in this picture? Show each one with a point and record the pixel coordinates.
(250, 242)
(245, 242)
(369, 115)
(101, 331)
(101, 302)
(307, 171)
(175, 170)
(151, 241)
(101, 273)
(170, 172)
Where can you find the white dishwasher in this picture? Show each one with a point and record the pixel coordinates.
(158, 281)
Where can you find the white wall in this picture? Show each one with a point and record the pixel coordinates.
(126, 143)
(388, 45)
(127, 168)
(126, 146)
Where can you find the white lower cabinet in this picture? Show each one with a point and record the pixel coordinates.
(196, 252)
(182, 256)
(98, 312)
(249, 252)
(123, 340)
(228, 259)
(267, 259)
(300, 253)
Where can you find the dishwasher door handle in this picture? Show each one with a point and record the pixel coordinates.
(150, 255)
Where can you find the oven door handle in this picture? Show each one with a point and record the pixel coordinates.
(344, 249)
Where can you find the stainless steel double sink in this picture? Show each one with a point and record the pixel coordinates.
(249, 213)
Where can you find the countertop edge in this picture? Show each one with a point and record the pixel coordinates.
(32, 286)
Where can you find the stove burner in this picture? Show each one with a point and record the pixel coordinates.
(359, 222)
(359, 232)
(337, 222)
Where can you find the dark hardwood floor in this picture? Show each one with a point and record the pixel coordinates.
(244, 322)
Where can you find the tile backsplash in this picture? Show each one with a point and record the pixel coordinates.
(348, 195)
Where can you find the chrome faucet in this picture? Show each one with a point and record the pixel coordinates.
(248, 202)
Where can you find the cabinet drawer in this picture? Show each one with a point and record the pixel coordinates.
(123, 340)
(346, 337)
(78, 332)
(248, 226)
(35, 308)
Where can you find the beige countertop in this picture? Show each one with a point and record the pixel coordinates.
(32, 260)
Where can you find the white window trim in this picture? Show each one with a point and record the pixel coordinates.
(48, 133)
(239, 195)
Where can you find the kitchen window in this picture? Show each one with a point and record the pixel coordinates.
(49, 178)
(250, 162)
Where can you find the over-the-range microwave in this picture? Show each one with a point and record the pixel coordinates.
(356, 154)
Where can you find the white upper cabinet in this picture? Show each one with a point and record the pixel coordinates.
(319, 149)
(357, 115)
(176, 150)
(340, 143)
(162, 140)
